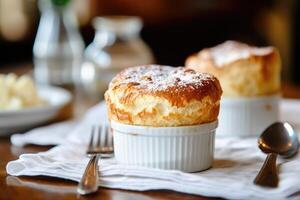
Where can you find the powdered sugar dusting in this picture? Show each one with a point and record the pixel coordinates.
(159, 78)
(230, 51)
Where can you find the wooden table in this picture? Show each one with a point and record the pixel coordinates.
(53, 188)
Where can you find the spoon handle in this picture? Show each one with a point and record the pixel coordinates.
(267, 175)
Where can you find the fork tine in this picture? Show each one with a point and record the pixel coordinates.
(106, 137)
(112, 139)
(92, 138)
(99, 134)
(110, 136)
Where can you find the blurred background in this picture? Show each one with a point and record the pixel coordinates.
(173, 29)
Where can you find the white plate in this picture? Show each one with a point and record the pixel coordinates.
(18, 120)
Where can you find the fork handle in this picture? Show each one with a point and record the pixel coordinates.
(89, 181)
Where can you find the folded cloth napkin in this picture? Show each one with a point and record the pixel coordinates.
(237, 161)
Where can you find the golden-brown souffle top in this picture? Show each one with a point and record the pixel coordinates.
(163, 96)
(242, 70)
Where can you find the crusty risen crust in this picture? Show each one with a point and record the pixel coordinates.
(162, 96)
(241, 69)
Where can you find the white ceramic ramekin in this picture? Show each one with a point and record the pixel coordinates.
(186, 148)
(247, 117)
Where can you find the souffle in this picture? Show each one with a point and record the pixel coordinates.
(163, 96)
(243, 70)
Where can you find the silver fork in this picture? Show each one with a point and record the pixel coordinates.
(101, 144)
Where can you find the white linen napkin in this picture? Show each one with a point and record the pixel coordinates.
(237, 161)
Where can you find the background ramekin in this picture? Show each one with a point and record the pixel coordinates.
(247, 117)
(186, 148)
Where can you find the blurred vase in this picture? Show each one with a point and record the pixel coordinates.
(58, 47)
(116, 46)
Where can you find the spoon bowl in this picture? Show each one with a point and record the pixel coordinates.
(279, 138)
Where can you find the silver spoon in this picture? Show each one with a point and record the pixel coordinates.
(279, 138)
